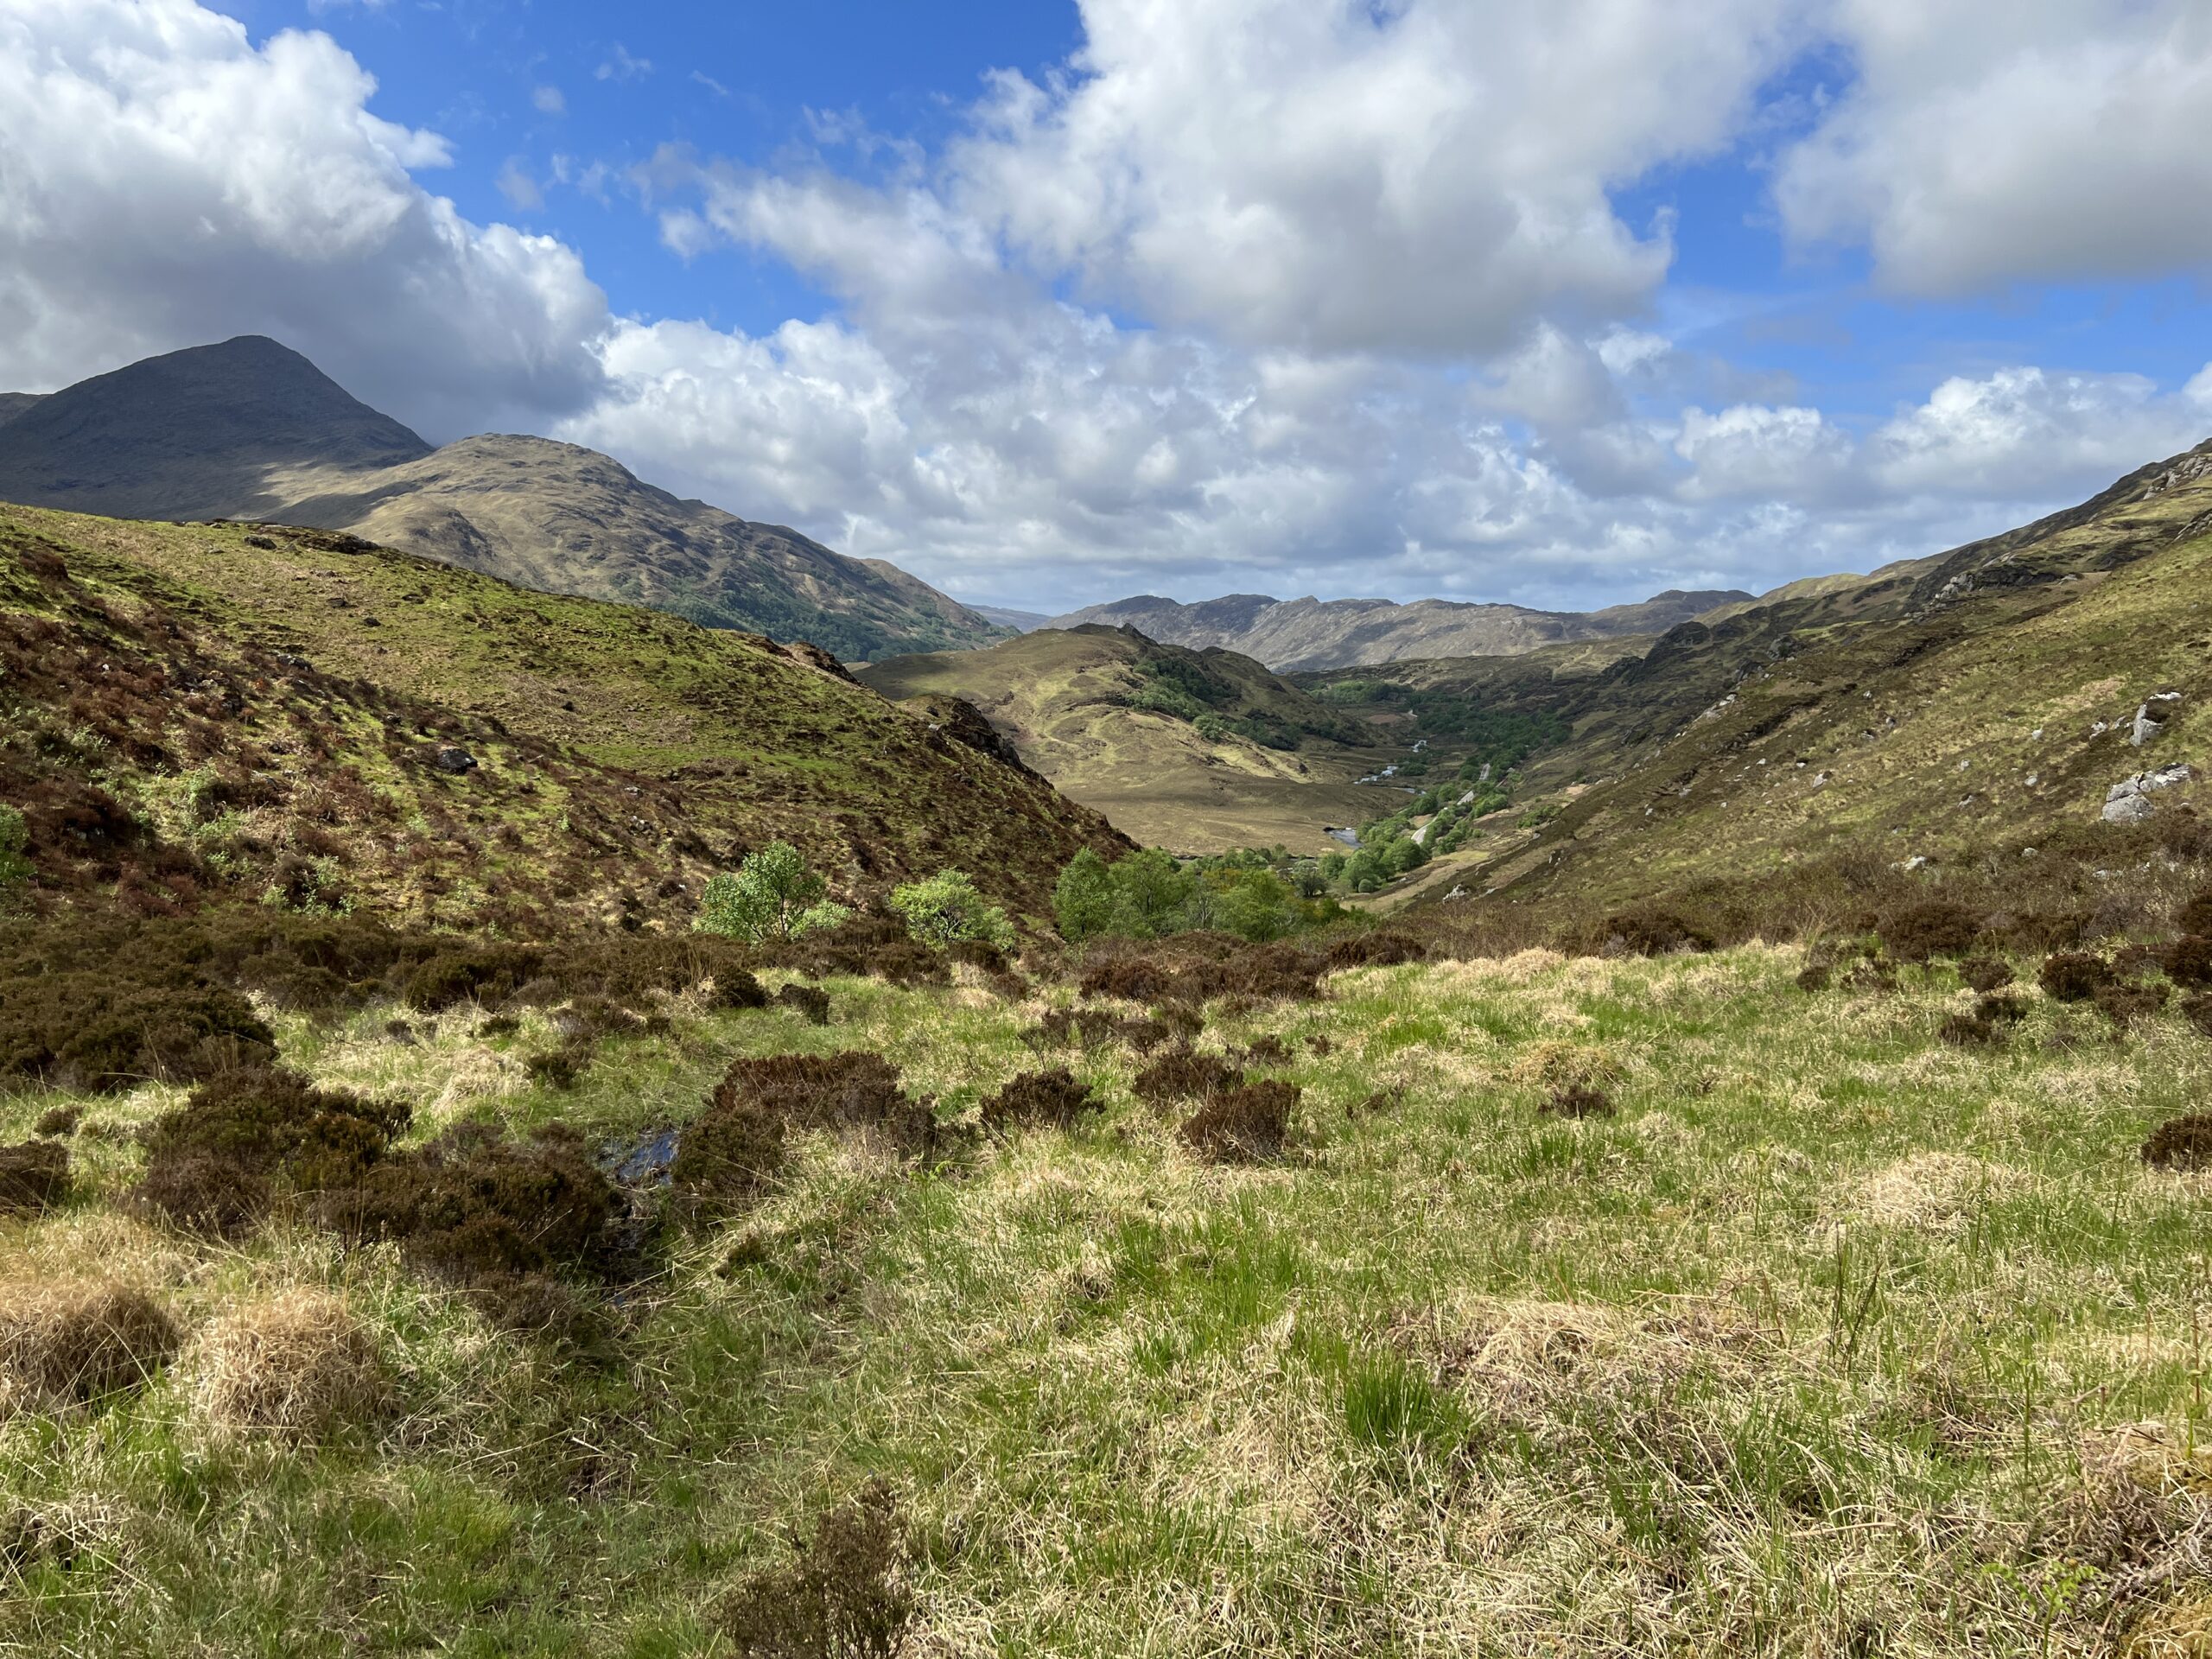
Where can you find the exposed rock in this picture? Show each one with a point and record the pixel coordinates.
(454, 760)
(2147, 726)
(2127, 801)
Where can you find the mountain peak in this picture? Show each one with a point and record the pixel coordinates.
(192, 433)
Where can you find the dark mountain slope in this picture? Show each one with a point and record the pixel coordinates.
(193, 434)
(1313, 634)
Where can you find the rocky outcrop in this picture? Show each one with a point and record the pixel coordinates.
(2129, 800)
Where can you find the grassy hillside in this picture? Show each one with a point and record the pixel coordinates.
(1195, 751)
(232, 706)
(1938, 708)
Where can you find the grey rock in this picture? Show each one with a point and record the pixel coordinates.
(454, 760)
(2127, 801)
(2147, 726)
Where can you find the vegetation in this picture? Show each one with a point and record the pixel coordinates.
(14, 839)
(948, 910)
(1152, 894)
(1204, 752)
(772, 895)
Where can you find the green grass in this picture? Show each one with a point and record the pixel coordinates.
(1824, 1345)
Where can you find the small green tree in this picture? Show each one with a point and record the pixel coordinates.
(15, 841)
(772, 896)
(1083, 899)
(1152, 894)
(947, 908)
(1257, 907)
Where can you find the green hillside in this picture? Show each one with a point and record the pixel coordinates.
(244, 708)
(1936, 710)
(1198, 751)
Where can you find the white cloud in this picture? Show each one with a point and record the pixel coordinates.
(621, 65)
(549, 100)
(1983, 145)
(2021, 433)
(163, 183)
(1423, 175)
(521, 190)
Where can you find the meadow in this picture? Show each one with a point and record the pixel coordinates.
(1591, 1303)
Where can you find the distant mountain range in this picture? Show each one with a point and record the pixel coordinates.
(251, 430)
(1312, 633)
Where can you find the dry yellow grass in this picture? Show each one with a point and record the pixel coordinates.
(297, 1362)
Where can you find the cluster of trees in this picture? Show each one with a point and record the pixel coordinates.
(774, 895)
(1151, 894)
(1502, 738)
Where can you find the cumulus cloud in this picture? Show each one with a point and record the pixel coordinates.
(1984, 145)
(1305, 296)
(1339, 174)
(164, 183)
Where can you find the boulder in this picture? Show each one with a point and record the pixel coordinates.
(2128, 800)
(453, 759)
(2147, 726)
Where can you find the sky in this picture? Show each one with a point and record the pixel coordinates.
(1052, 303)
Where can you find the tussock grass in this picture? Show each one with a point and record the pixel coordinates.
(1834, 1339)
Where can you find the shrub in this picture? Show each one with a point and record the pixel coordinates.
(2189, 960)
(2000, 1010)
(729, 1155)
(2074, 975)
(1245, 1124)
(74, 1342)
(490, 973)
(1969, 1031)
(1816, 977)
(2196, 916)
(14, 844)
(59, 1121)
(1056, 1099)
(298, 1364)
(772, 895)
(810, 1002)
(841, 1598)
(1136, 978)
(2199, 1011)
(1579, 1100)
(218, 1161)
(947, 908)
(735, 988)
(100, 1032)
(1986, 974)
(1653, 932)
(34, 1176)
(2125, 1005)
(559, 1069)
(1937, 928)
(1185, 1074)
(2181, 1143)
(852, 1090)
(474, 1204)
(1382, 949)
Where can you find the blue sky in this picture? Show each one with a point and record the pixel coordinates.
(1053, 303)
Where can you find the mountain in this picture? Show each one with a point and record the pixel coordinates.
(1957, 708)
(13, 403)
(1019, 621)
(249, 429)
(298, 715)
(193, 434)
(1196, 751)
(1312, 634)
